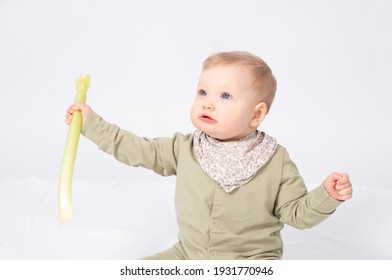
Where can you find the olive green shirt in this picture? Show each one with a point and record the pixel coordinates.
(213, 224)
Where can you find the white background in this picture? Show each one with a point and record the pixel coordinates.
(332, 60)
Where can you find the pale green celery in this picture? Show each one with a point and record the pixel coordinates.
(65, 211)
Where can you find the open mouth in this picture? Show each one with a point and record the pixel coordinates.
(207, 119)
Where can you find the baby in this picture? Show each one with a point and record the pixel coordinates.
(236, 187)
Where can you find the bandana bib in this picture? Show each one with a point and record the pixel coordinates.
(233, 164)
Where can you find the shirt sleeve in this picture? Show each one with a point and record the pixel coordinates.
(298, 207)
(158, 154)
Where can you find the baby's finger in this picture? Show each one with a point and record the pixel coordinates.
(343, 186)
(70, 110)
(68, 119)
(346, 191)
(345, 197)
(68, 116)
(78, 106)
(344, 179)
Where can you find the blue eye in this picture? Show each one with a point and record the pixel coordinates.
(225, 95)
(202, 92)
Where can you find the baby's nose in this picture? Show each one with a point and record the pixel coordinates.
(208, 106)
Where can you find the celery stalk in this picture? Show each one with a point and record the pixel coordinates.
(65, 211)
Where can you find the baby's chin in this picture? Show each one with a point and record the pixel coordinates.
(217, 136)
(214, 134)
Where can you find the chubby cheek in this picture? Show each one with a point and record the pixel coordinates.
(230, 124)
(235, 122)
(193, 114)
(227, 120)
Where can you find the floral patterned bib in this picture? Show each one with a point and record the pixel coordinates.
(233, 164)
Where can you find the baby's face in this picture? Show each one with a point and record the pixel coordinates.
(225, 102)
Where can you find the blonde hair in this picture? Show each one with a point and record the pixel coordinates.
(265, 82)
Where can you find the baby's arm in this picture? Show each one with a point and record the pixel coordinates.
(85, 109)
(158, 154)
(302, 209)
(338, 186)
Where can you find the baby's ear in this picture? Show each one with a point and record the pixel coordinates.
(260, 111)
